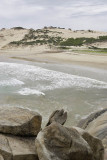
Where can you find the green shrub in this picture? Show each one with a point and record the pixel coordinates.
(72, 42)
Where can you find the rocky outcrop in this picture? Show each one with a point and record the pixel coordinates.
(19, 121)
(17, 148)
(19, 128)
(1, 157)
(57, 116)
(57, 142)
(86, 121)
(96, 125)
(95, 144)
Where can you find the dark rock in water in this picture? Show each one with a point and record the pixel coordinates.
(57, 142)
(17, 148)
(58, 116)
(96, 125)
(18, 121)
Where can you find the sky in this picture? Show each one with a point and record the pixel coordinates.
(74, 14)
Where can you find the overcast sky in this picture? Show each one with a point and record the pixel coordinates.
(74, 14)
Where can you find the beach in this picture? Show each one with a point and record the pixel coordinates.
(56, 56)
(45, 81)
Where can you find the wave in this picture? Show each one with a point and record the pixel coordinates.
(11, 82)
(43, 79)
(28, 91)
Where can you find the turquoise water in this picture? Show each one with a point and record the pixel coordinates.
(45, 87)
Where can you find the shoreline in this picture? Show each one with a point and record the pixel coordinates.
(60, 57)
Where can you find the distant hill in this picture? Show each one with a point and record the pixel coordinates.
(19, 37)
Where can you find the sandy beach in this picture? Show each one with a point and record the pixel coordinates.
(49, 56)
(53, 68)
(51, 53)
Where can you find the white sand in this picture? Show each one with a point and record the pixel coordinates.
(94, 60)
(9, 35)
(45, 54)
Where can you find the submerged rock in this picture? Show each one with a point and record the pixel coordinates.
(19, 121)
(17, 148)
(57, 142)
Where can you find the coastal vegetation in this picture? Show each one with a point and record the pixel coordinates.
(50, 37)
(55, 37)
(38, 37)
(91, 50)
(18, 28)
(82, 41)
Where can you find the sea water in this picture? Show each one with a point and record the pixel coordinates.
(45, 87)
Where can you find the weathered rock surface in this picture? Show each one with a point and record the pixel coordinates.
(58, 116)
(94, 143)
(85, 122)
(56, 142)
(1, 157)
(17, 148)
(96, 125)
(19, 121)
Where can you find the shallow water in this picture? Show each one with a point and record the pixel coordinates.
(45, 87)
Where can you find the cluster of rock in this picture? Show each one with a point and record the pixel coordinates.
(21, 136)
(96, 125)
(18, 130)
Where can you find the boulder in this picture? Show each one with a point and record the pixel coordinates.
(19, 121)
(94, 143)
(57, 142)
(105, 154)
(96, 125)
(86, 121)
(58, 116)
(1, 157)
(17, 148)
(5, 149)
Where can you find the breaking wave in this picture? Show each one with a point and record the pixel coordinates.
(11, 82)
(37, 79)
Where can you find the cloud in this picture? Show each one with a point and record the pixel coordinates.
(76, 14)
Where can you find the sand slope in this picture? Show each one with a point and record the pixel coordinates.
(10, 35)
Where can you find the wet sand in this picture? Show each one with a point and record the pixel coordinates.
(65, 57)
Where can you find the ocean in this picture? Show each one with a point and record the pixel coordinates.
(45, 87)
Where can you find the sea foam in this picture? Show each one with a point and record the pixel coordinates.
(36, 79)
(28, 91)
(11, 82)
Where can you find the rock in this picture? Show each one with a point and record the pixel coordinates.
(105, 154)
(98, 128)
(1, 158)
(19, 121)
(5, 149)
(17, 148)
(85, 122)
(96, 125)
(94, 143)
(57, 142)
(58, 116)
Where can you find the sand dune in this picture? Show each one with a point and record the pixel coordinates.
(10, 35)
